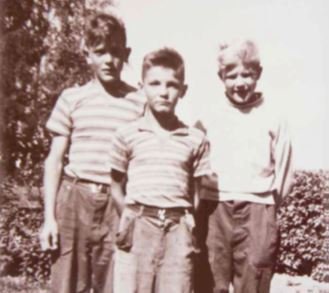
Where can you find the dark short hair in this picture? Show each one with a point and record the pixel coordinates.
(165, 57)
(102, 28)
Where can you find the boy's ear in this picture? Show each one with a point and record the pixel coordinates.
(86, 54)
(126, 54)
(259, 72)
(88, 59)
(220, 74)
(183, 90)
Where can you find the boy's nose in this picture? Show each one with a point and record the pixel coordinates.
(163, 92)
(240, 83)
(108, 58)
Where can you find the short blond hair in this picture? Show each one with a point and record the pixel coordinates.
(239, 51)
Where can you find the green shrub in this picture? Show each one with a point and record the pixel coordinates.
(301, 224)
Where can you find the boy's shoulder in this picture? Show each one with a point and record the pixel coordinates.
(197, 131)
(129, 128)
(192, 133)
(78, 92)
(136, 97)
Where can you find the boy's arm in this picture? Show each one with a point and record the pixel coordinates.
(283, 162)
(118, 189)
(197, 189)
(202, 169)
(52, 174)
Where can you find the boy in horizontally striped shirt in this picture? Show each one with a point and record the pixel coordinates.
(161, 158)
(80, 221)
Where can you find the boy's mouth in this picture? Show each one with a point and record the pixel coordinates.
(164, 103)
(242, 92)
(109, 71)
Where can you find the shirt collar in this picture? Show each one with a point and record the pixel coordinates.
(144, 124)
(255, 101)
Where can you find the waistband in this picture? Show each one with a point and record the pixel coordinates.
(160, 213)
(93, 187)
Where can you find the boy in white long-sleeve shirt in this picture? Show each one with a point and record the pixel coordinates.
(251, 157)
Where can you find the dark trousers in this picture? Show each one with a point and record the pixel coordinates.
(87, 224)
(239, 242)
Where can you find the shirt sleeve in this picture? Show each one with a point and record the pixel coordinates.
(60, 121)
(201, 163)
(283, 161)
(119, 154)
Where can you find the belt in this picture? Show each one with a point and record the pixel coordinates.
(160, 213)
(94, 187)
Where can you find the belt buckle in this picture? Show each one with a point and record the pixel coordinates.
(162, 214)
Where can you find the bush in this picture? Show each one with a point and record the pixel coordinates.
(301, 224)
(20, 220)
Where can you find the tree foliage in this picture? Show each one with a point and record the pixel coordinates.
(41, 56)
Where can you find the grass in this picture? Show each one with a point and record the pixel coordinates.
(280, 284)
(289, 284)
(19, 284)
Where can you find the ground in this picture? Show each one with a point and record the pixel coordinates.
(289, 284)
(280, 284)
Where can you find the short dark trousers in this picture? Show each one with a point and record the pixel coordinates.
(87, 223)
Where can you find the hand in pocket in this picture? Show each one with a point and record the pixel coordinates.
(124, 238)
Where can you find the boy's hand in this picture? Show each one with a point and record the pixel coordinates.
(49, 236)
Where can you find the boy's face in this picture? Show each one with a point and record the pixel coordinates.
(106, 60)
(240, 83)
(163, 88)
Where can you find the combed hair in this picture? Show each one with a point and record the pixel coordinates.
(244, 51)
(102, 28)
(165, 57)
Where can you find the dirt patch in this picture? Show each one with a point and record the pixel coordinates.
(289, 284)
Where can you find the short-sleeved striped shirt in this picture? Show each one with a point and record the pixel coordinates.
(89, 116)
(160, 169)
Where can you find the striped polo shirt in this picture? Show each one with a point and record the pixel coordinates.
(89, 116)
(160, 169)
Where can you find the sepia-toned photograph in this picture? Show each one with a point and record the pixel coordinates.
(164, 146)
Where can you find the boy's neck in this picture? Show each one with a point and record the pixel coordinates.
(116, 88)
(162, 122)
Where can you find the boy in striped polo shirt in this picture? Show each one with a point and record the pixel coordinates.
(161, 158)
(80, 219)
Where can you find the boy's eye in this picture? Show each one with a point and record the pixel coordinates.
(100, 51)
(154, 82)
(246, 75)
(173, 85)
(231, 76)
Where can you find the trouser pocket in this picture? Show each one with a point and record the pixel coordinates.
(124, 238)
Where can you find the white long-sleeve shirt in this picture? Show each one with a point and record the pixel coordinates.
(250, 153)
